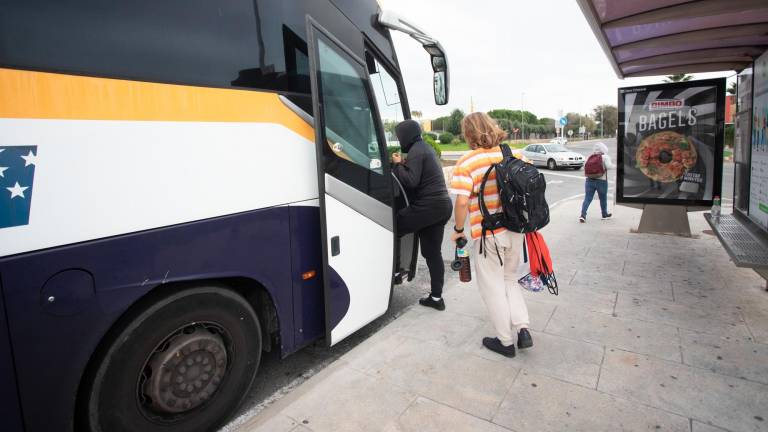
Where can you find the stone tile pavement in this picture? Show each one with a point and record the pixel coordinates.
(649, 333)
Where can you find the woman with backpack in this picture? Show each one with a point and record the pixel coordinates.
(596, 170)
(496, 268)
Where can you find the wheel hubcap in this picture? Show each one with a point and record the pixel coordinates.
(184, 371)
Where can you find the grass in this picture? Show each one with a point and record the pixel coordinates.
(462, 146)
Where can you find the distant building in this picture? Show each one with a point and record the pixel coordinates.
(426, 125)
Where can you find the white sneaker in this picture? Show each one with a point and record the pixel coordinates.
(582, 219)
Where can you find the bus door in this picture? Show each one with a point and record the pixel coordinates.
(355, 189)
(392, 108)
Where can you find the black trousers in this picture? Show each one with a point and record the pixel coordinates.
(429, 224)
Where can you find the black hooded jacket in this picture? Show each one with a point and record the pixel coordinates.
(421, 174)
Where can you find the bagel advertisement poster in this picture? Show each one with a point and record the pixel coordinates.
(670, 143)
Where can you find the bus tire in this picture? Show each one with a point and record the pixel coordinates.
(184, 363)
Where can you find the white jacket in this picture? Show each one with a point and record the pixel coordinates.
(602, 149)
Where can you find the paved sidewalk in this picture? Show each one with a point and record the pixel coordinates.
(648, 333)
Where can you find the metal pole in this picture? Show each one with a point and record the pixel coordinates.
(522, 118)
(602, 130)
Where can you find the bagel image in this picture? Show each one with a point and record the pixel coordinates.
(665, 156)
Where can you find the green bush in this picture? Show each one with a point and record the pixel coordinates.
(446, 137)
(434, 145)
(729, 134)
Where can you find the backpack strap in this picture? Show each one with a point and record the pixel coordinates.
(484, 248)
(525, 250)
(496, 245)
(481, 195)
(506, 151)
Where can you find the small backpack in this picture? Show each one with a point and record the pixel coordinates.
(594, 167)
(521, 194)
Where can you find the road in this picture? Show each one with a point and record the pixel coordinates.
(277, 377)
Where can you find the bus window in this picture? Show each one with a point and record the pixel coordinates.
(233, 43)
(349, 125)
(387, 99)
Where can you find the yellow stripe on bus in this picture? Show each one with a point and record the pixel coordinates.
(40, 95)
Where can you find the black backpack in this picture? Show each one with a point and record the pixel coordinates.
(521, 194)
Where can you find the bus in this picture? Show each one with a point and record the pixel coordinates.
(185, 184)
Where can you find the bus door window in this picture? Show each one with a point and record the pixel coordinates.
(388, 100)
(350, 129)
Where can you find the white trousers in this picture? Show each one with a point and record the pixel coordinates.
(498, 284)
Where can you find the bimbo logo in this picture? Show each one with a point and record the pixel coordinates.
(666, 104)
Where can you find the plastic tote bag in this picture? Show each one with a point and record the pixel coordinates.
(542, 274)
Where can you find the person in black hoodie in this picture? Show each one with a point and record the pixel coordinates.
(430, 206)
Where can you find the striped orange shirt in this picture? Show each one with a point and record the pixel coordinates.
(467, 177)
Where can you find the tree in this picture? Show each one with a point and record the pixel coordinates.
(505, 124)
(454, 123)
(576, 120)
(607, 119)
(514, 115)
(732, 88)
(416, 114)
(389, 126)
(678, 78)
(439, 123)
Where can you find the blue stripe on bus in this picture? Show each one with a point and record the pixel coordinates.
(53, 345)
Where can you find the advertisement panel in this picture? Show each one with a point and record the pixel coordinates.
(758, 192)
(670, 143)
(742, 139)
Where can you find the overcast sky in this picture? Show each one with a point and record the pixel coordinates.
(499, 49)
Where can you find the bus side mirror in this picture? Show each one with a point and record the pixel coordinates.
(440, 67)
(436, 52)
(441, 88)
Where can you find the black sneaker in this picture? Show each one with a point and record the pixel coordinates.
(608, 216)
(428, 301)
(494, 344)
(524, 339)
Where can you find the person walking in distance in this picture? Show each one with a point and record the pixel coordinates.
(596, 170)
(496, 278)
(430, 206)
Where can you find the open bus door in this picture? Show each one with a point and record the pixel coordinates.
(356, 190)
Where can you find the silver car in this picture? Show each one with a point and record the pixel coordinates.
(553, 156)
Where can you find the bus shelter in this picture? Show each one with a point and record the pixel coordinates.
(665, 37)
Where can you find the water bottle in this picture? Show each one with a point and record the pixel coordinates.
(461, 260)
(716, 208)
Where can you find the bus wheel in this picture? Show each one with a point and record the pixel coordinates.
(184, 363)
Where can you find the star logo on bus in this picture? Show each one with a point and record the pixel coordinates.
(17, 172)
(17, 190)
(30, 159)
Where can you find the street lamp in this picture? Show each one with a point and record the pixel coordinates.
(522, 115)
(602, 130)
